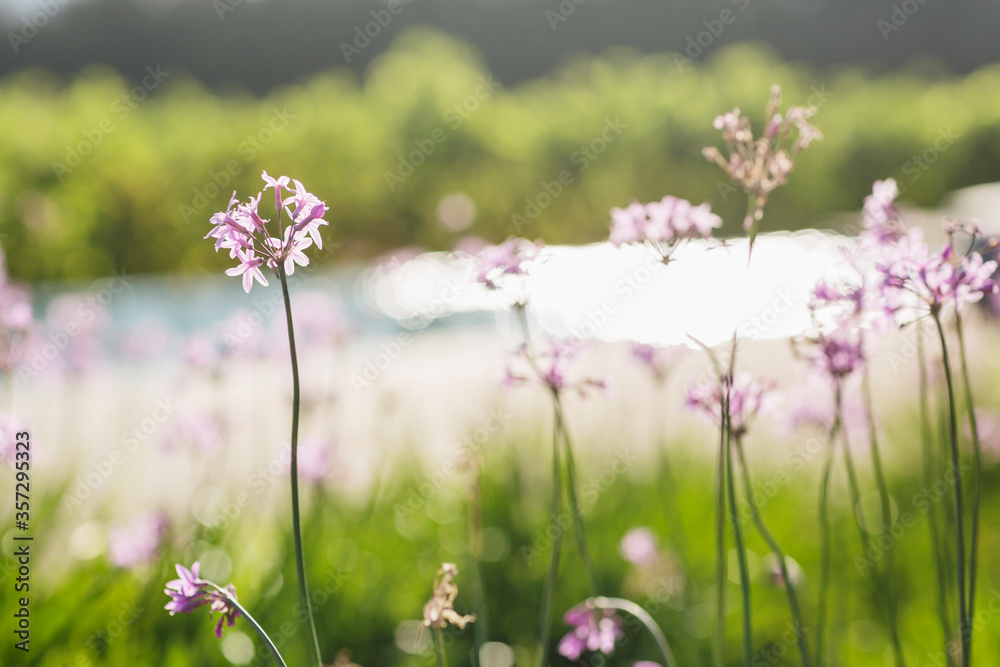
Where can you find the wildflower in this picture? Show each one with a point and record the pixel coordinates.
(879, 214)
(241, 230)
(190, 592)
(659, 360)
(439, 611)
(593, 630)
(550, 368)
(138, 541)
(746, 399)
(662, 225)
(505, 267)
(762, 165)
(638, 546)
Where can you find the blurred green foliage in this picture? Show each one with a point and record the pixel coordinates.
(94, 179)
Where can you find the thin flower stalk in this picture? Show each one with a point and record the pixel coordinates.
(977, 471)
(643, 616)
(793, 601)
(929, 468)
(965, 628)
(824, 523)
(741, 555)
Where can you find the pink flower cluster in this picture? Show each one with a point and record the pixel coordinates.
(662, 224)
(593, 630)
(190, 592)
(550, 368)
(510, 258)
(747, 398)
(242, 231)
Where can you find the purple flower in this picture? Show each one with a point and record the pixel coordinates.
(10, 426)
(138, 541)
(659, 360)
(241, 230)
(314, 461)
(879, 215)
(592, 630)
(550, 368)
(190, 592)
(747, 398)
(638, 546)
(511, 258)
(662, 225)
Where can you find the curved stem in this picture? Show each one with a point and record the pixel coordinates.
(824, 523)
(300, 566)
(253, 623)
(632, 608)
(793, 601)
(977, 472)
(965, 628)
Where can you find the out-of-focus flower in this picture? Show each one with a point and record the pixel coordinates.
(242, 231)
(771, 569)
(138, 541)
(762, 165)
(189, 592)
(439, 612)
(314, 459)
(592, 630)
(319, 318)
(988, 426)
(551, 368)
(747, 398)
(879, 215)
(505, 267)
(16, 324)
(638, 546)
(199, 431)
(662, 225)
(78, 322)
(10, 426)
(659, 360)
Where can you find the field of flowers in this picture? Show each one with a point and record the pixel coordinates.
(306, 483)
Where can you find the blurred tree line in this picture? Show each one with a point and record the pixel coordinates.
(99, 174)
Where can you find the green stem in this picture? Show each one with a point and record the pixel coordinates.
(253, 623)
(741, 556)
(632, 608)
(963, 612)
(442, 661)
(824, 523)
(300, 566)
(721, 574)
(886, 509)
(793, 601)
(925, 426)
(550, 579)
(977, 473)
(575, 509)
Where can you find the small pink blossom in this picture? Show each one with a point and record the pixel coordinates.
(138, 541)
(592, 630)
(638, 546)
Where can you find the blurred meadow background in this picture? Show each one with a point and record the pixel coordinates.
(157, 392)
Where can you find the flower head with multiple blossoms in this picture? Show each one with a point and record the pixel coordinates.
(551, 368)
(760, 165)
(256, 241)
(190, 591)
(592, 630)
(662, 225)
(439, 612)
(504, 268)
(660, 361)
(747, 398)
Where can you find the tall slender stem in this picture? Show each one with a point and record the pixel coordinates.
(977, 473)
(721, 574)
(253, 623)
(886, 509)
(442, 661)
(575, 509)
(741, 556)
(793, 601)
(824, 522)
(550, 579)
(632, 608)
(300, 566)
(925, 428)
(963, 612)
